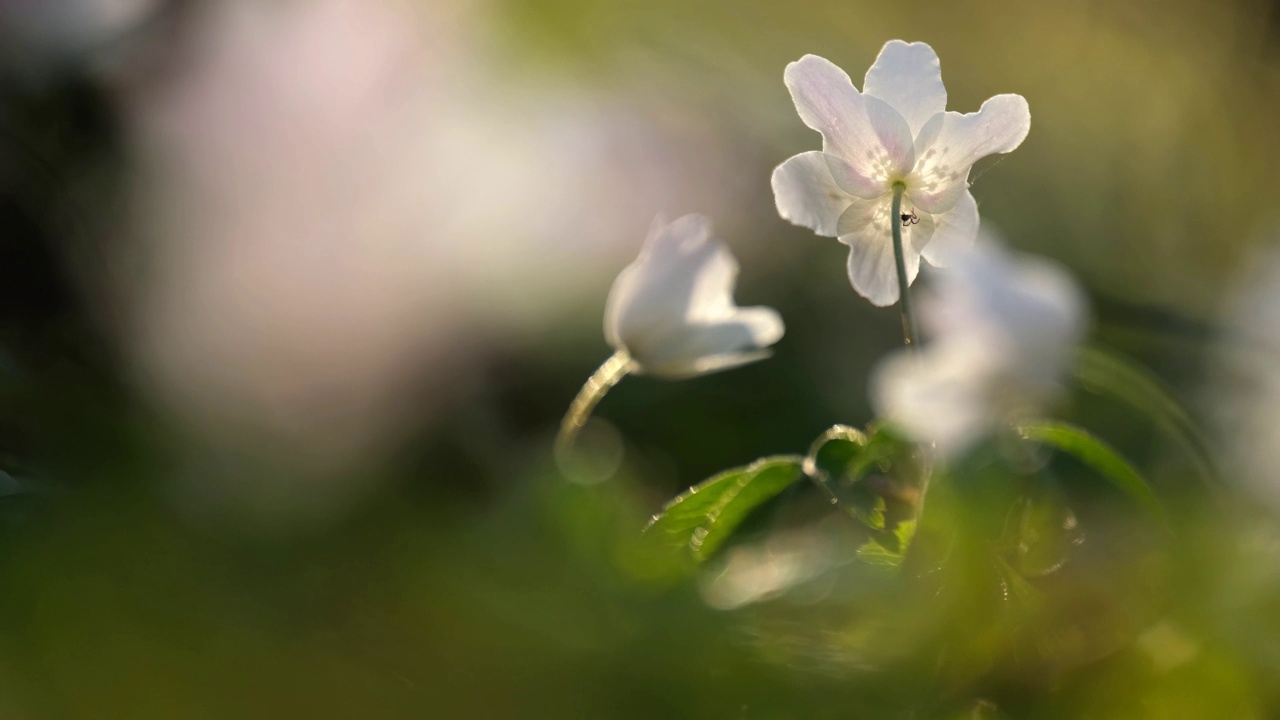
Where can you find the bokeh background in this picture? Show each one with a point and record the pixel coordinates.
(293, 295)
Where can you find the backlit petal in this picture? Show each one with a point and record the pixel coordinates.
(866, 133)
(908, 77)
(672, 309)
(807, 195)
(652, 294)
(950, 143)
(865, 227)
(703, 348)
(953, 231)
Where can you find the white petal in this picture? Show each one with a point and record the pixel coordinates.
(651, 295)
(939, 396)
(672, 309)
(909, 78)
(1001, 329)
(866, 228)
(853, 182)
(764, 324)
(1034, 301)
(953, 232)
(625, 287)
(950, 143)
(702, 365)
(896, 154)
(807, 195)
(702, 348)
(711, 299)
(866, 133)
(1029, 307)
(872, 271)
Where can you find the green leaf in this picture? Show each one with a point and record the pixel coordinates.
(1108, 373)
(1016, 587)
(703, 517)
(873, 477)
(1095, 453)
(1041, 531)
(889, 548)
(835, 449)
(846, 454)
(873, 553)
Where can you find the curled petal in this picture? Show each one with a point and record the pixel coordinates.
(643, 295)
(950, 143)
(953, 232)
(697, 348)
(908, 77)
(866, 133)
(865, 227)
(672, 310)
(807, 195)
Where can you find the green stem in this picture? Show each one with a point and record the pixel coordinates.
(592, 392)
(908, 324)
(899, 259)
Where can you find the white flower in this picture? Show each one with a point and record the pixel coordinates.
(1003, 328)
(895, 131)
(672, 309)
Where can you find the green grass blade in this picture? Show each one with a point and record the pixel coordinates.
(1099, 456)
(1105, 372)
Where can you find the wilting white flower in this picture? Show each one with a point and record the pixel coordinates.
(895, 131)
(1003, 329)
(672, 310)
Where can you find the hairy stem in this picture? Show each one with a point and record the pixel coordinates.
(600, 382)
(900, 260)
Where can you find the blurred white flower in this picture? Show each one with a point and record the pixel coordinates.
(895, 131)
(672, 311)
(1003, 328)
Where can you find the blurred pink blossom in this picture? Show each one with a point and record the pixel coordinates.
(338, 204)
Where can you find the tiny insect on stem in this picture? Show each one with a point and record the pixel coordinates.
(900, 262)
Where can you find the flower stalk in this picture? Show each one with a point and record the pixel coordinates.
(900, 260)
(592, 392)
